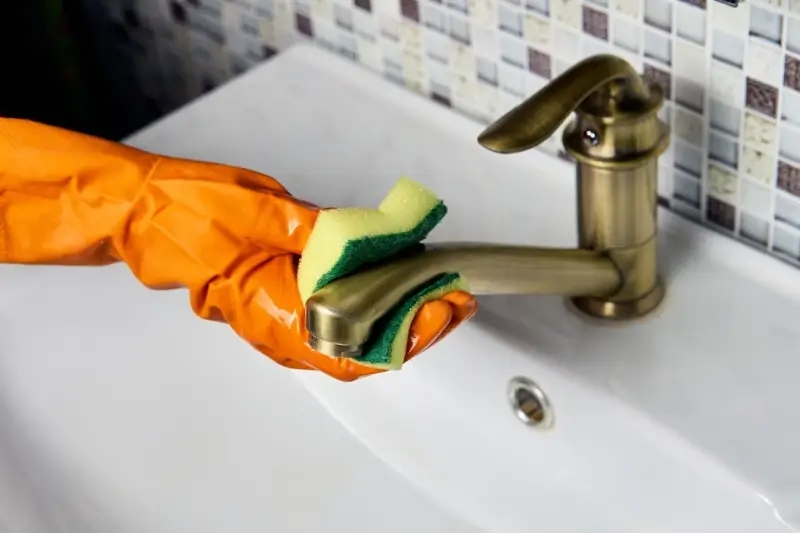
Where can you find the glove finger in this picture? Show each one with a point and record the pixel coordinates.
(428, 324)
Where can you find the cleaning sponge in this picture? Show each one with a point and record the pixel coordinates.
(345, 240)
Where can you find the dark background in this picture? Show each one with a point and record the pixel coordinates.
(52, 69)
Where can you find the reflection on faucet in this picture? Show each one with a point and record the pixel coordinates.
(616, 139)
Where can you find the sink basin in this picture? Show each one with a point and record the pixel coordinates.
(120, 411)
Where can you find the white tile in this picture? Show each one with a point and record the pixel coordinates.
(755, 198)
(348, 44)
(510, 19)
(627, 35)
(690, 23)
(787, 210)
(513, 50)
(439, 74)
(534, 83)
(459, 5)
(687, 210)
(665, 182)
(512, 80)
(364, 24)
(793, 34)
(689, 126)
(343, 16)
(369, 55)
(658, 46)
(690, 94)
(437, 46)
(591, 47)
(728, 48)
(567, 43)
(689, 60)
(734, 20)
(540, 6)
(486, 70)
(724, 149)
(485, 42)
(559, 67)
(790, 106)
(754, 228)
(786, 241)
(687, 188)
(665, 113)
(434, 17)
(688, 158)
(766, 24)
(390, 27)
(725, 117)
(789, 145)
(459, 28)
(764, 62)
(727, 83)
(635, 60)
(658, 13)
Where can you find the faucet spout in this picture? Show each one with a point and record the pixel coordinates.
(341, 315)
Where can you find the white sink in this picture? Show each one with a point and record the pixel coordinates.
(120, 411)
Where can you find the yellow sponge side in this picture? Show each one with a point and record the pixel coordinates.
(402, 211)
(399, 344)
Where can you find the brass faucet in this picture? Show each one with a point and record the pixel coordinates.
(616, 138)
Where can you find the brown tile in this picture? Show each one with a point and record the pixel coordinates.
(696, 3)
(410, 9)
(595, 23)
(268, 51)
(791, 72)
(661, 77)
(539, 63)
(762, 98)
(366, 5)
(789, 178)
(304, 25)
(720, 213)
(445, 101)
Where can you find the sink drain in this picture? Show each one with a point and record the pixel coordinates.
(529, 403)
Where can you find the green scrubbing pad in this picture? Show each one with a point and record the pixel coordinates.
(345, 240)
(387, 346)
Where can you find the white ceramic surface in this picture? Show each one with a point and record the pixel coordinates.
(120, 411)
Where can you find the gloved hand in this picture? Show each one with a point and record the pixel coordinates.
(229, 235)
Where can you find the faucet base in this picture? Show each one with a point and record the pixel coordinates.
(627, 310)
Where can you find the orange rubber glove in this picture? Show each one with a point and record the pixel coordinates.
(230, 236)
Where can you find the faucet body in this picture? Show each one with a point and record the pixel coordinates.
(616, 139)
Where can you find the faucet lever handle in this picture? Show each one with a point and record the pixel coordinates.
(537, 118)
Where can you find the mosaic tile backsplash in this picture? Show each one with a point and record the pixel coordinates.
(732, 75)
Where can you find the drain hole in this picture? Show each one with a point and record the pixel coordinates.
(529, 403)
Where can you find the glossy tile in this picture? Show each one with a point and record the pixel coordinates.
(595, 23)
(720, 213)
(762, 98)
(731, 76)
